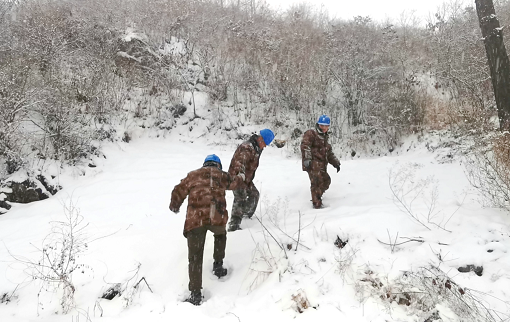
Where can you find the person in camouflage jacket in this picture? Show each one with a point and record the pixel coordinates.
(316, 154)
(205, 189)
(246, 161)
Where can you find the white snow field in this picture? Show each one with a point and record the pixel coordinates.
(135, 241)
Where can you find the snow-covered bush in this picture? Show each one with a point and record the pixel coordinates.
(488, 170)
(14, 99)
(287, 69)
(427, 292)
(59, 257)
(417, 197)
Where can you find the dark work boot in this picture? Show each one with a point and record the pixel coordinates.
(318, 205)
(219, 270)
(195, 298)
(317, 201)
(234, 224)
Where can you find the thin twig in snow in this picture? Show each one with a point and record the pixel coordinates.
(299, 231)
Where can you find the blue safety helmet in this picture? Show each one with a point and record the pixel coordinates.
(267, 135)
(324, 120)
(213, 158)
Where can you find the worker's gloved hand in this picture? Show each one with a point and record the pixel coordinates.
(307, 164)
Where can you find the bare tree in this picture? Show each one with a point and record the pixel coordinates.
(497, 58)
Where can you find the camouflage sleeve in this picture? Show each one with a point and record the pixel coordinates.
(235, 182)
(179, 194)
(332, 159)
(306, 146)
(239, 161)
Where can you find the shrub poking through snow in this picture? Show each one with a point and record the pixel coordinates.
(59, 256)
(426, 290)
(301, 302)
(488, 170)
(410, 192)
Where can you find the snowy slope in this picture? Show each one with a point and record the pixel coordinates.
(131, 234)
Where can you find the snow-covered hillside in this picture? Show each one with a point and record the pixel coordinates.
(130, 241)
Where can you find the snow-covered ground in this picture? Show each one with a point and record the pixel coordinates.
(132, 239)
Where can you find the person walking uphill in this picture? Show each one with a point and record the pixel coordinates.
(246, 161)
(205, 189)
(317, 153)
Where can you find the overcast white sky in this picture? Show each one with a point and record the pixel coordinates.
(376, 9)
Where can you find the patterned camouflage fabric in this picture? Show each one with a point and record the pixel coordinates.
(206, 211)
(246, 197)
(316, 149)
(205, 189)
(247, 200)
(246, 159)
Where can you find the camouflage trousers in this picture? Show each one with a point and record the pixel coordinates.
(245, 204)
(196, 242)
(319, 183)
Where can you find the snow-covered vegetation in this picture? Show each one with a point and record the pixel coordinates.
(106, 104)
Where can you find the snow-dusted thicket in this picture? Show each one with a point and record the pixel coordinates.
(403, 238)
(114, 101)
(73, 72)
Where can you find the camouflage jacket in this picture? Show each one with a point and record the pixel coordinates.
(315, 147)
(246, 159)
(205, 189)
